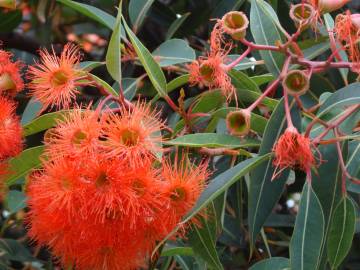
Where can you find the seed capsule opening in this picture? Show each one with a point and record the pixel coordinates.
(238, 122)
(235, 24)
(296, 83)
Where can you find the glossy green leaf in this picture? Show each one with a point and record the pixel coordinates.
(91, 12)
(248, 96)
(212, 140)
(32, 109)
(341, 232)
(105, 85)
(152, 68)
(223, 181)
(23, 164)
(352, 164)
(43, 122)
(15, 201)
(243, 81)
(265, 31)
(274, 263)
(137, 12)
(263, 192)
(176, 25)
(174, 51)
(262, 79)
(172, 251)
(203, 244)
(113, 55)
(345, 96)
(308, 233)
(90, 65)
(326, 184)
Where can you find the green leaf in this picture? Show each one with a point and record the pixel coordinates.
(182, 251)
(15, 201)
(264, 30)
(249, 96)
(327, 185)
(9, 20)
(31, 111)
(176, 25)
(274, 263)
(223, 181)
(174, 51)
(44, 122)
(244, 64)
(212, 140)
(104, 84)
(91, 12)
(113, 55)
(152, 68)
(137, 12)
(11, 249)
(264, 193)
(308, 233)
(352, 164)
(346, 96)
(22, 164)
(203, 244)
(173, 85)
(90, 65)
(262, 79)
(257, 122)
(341, 232)
(243, 82)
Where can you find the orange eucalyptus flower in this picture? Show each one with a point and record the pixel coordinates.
(53, 79)
(10, 79)
(293, 150)
(211, 72)
(134, 134)
(76, 135)
(183, 184)
(347, 28)
(10, 130)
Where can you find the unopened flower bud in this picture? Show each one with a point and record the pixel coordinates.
(326, 6)
(235, 24)
(11, 4)
(302, 14)
(238, 122)
(296, 82)
(6, 83)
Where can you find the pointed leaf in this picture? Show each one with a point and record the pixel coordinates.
(21, 165)
(264, 30)
(137, 12)
(113, 55)
(223, 181)
(308, 233)
(341, 232)
(212, 140)
(174, 51)
(274, 263)
(152, 68)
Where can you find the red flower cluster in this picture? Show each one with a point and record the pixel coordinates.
(10, 128)
(54, 79)
(101, 200)
(10, 79)
(347, 28)
(293, 150)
